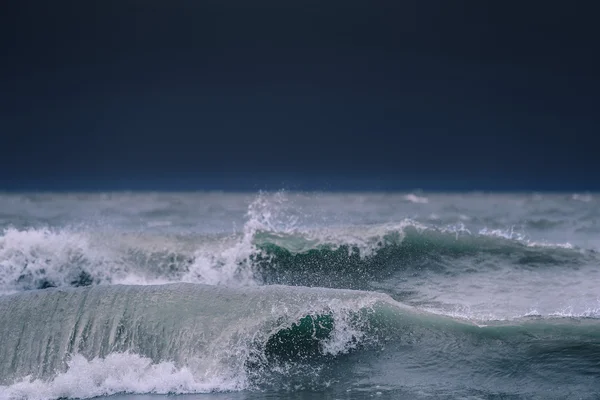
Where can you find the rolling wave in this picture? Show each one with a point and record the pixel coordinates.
(214, 338)
(189, 338)
(342, 257)
(408, 251)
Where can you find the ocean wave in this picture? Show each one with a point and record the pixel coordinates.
(43, 258)
(187, 338)
(271, 247)
(411, 250)
(332, 257)
(533, 315)
(175, 338)
(413, 198)
(40, 258)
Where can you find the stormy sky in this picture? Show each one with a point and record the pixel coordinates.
(325, 95)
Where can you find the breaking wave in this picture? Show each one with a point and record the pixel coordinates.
(271, 248)
(189, 338)
(177, 338)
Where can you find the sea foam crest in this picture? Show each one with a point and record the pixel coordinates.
(271, 219)
(227, 261)
(33, 258)
(37, 258)
(513, 233)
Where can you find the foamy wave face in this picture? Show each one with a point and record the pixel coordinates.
(117, 373)
(270, 221)
(38, 258)
(42, 258)
(267, 336)
(227, 262)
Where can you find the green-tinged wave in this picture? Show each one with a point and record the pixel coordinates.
(111, 339)
(303, 340)
(342, 258)
(190, 325)
(293, 260)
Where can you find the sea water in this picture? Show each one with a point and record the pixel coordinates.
(299, 295)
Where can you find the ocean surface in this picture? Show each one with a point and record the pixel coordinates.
(139, 296)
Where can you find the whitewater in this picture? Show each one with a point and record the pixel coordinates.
(302, 295)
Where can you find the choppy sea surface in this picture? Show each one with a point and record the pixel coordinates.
(137, 296)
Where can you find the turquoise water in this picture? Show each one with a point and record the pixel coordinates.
(295, 295)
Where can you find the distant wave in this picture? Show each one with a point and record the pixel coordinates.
(413, 198)
(409, 251)
(586, 198)
(343, 257)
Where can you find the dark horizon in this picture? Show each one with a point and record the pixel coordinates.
(232, 187)
(182, 95)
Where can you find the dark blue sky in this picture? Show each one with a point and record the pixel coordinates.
(306, 95)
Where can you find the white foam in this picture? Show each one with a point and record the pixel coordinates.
(58, 257)
(269, 219)
(458, 230)
(572, 312)
(413, 198)
(367, 238)
(31, 254)
(514, 234)
(565, 245)
(227, 265)
(511, 233)
(118, 373)
(566, 312)
(344, 337)
(227, 261)
(481, 317)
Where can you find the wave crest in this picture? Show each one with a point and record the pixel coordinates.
(271, 247)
